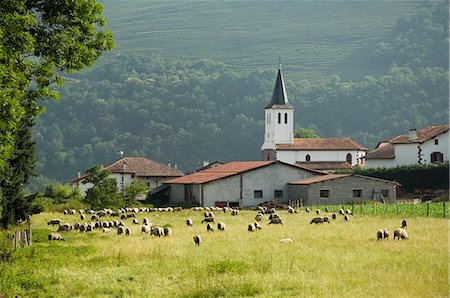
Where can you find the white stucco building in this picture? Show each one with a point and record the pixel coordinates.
(324, 154)
(129, 169)
(429, 145)
(237, 184)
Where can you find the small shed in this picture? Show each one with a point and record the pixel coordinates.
(335, 189)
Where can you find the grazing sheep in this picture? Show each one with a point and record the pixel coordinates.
(168, 232)
(135, 221)
(83, 227)
(349, 212)
(386, 233)
(286, 241)
(307, 209)
(189, 222)
(333, 216)
(65, 227)
(146, 229)
(257, 226)
(326, 219)
(208, 219)
(54, 222)
(65, 212)
(72, 212)
(276, 221)
(95, 217)
(326, 210)
(82, 216)
(404, 224)
(291, 210)
(157, 231)
(234, 212)
(146, 221)
(400, 233)
(197, 240)
(273, 216)
(259, 217)
(209, 228)
(120, 230)
(106, 230)
(76, 226)
(55, 236)
(90, 227)
(221, 226)
(317, 211)
(341, 211)
(346, 217)
(316, 220)
(380, 234)
(127, 231)
(251, 227)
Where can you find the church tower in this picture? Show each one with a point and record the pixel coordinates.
(279, 121)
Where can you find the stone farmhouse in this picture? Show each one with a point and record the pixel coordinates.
(429, 145)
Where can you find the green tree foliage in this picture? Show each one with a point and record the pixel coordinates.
(104, 192)
(305, 133)
(133, 190)
(61, 193)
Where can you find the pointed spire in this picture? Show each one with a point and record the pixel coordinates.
(279, 95)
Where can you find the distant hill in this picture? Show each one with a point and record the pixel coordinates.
(314, 38)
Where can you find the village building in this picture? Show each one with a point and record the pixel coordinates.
(429, 145)
(237, 184)
(130, 169)
(335, 189)
(280, 144)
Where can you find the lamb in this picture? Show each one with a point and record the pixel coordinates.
(197, 240)
(127, 231)
(404, 224)
(146, 229)
(400, 233)
(257, 225)
(251, 227)
(209, 228)
(189, 222)
(120, 230)
(316, 220)
(65, 227)
(276, 221)
(221, 226)
(259, 217)
(333, 216)
(168, 232)
(135, 221)
(286, 241)
(54, 222)
(106, 230)
(208, 219)
(55, 236)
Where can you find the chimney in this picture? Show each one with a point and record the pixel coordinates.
(205, 163)
(124, 166)
(169, 164)
(412, 134)
(176, 167)
(101, 167)
(78, 174)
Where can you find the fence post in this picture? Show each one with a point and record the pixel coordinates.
(397, 208)
(444, 208)
(361, 208)
(374, 207)
(428, 209)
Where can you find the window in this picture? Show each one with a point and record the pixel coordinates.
(385, 193)
(258, 194)
(324, 193)
(436, 142)
(437, 157)
(278, 194)
(349, 158)
(357, 193)
(307, 157)
(233, 204)
(285, 118)
(279, 118)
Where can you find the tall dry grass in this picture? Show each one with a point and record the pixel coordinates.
(336, 259)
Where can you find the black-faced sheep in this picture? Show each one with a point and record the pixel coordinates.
(208, 219)
(259, 217)
(386, 233)
(257, 226)
(291, 210)
(400, 233)
(316, 220)
(197, 240)
(145, 229)
(341, 211)
(106, 230)
(326, 219)
(317, 211)
(146, 221)
(273, 216)
(82, 216)
(120, 230)
(168, 232)
(55, 236)
(382, 234)
(221, 226)
(326, 210)
(234, 212)
(307, 209)
(209, 228)
(333, 216)
(349, 212)
(135, 221)
(251, 227)
(127, 231)
(158, 232)
(404, 224)
(54, 222)
(189, 222)
(346, 217)
(65, 227)
(276, 221)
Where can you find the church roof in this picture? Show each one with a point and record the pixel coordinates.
(279, 95)
(321, 144)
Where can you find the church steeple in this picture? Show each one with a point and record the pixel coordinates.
(279, 95)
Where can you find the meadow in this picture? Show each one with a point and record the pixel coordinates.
(336, 259)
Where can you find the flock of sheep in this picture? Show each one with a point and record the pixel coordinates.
(95, 221)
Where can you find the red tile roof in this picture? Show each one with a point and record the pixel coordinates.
(384, 152)
(422, 135)
(325, 165)
(139, 166)
(321, 144)
(336, 176)
(227, 170)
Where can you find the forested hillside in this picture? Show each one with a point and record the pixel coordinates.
(189, 110)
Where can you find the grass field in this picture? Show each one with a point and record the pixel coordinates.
(313, 38)
(336, 259)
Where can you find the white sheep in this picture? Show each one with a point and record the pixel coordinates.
(197, 240)
(251, 227)
(120, 230)
(221, 226)
(257, 226)
(106, 230)
(146, 220)
(135, 221)
(55, 236)
(317, 211)
(400, 233)
(276, 221)
(146, 229)
(168, 232)
(189, 222)
(65, 227)
(209, 228)
(259, 217)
